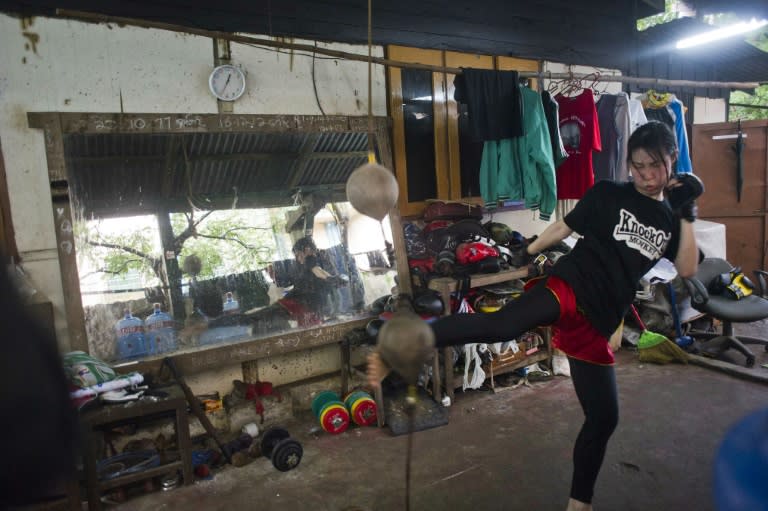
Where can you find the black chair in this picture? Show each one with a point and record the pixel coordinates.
(727, 309)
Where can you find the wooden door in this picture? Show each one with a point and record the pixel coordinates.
(715, 162)
(418, 111)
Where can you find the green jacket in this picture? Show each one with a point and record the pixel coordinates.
(522, 168)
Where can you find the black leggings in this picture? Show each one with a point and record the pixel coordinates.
(595, 384)
(535, 307)
(596, 389)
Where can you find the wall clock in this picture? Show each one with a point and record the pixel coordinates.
(227, 82)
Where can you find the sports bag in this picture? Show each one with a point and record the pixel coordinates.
(441, 210)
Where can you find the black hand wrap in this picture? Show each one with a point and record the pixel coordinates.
(682, 198)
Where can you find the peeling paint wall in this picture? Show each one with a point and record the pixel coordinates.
(69, 66)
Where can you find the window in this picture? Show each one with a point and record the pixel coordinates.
(435, 156)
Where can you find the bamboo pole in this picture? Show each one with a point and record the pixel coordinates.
(257, 41)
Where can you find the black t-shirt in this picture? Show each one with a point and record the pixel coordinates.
(624, 233)
(308, 288)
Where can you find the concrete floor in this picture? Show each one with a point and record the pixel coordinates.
(505, 451)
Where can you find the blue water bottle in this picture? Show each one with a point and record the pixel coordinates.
(231, 306)
(130, 337)
(161, 331)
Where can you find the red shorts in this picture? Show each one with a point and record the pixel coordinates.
(304, 318)
(572, 333)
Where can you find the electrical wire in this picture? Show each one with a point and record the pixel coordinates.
(371, 153)
(314, 84)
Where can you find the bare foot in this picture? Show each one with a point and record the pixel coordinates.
(377, 370)
(577, 505)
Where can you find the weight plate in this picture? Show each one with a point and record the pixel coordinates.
(354, 404)
(271, 438)
(334, 418)
(363, 411)
(354, 396)
(321, 399)
(328, 404)
(287, 455)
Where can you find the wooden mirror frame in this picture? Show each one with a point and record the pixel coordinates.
(56, 125)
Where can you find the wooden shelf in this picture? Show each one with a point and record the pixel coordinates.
(523, 362)
(173, 408)
(447, 285)
(167, 468)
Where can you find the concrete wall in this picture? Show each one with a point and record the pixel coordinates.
(68, 66)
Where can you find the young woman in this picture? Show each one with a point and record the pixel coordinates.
(625, 229)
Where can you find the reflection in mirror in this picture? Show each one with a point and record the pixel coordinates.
(189, 240)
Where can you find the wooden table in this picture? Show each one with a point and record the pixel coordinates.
(130, 412)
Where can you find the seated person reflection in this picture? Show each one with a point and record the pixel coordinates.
(313, 296)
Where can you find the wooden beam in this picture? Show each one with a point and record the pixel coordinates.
(87, 123)
(70, 280)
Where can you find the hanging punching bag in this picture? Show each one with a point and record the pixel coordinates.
(372, 190)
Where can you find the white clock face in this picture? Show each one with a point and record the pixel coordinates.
(227, 82)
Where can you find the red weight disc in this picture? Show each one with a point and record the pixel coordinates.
(364, 411)
(334, 418)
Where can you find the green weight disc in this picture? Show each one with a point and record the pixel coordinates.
(322, 399)
(354, 396)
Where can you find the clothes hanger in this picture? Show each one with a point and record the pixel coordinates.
(572, 85)
(554, 86)
(595, 78)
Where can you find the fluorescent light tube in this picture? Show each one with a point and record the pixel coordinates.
(721, 33)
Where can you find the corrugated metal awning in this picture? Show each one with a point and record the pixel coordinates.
(128, 174)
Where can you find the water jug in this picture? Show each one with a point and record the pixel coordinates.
(130, 337)
(161, 331)
(231, 306)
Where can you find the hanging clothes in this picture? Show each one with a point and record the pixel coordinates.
(684, 163)
(581, 135)
(636, 115)
(613, 117)
(493, 100)
(551, 112)
(665, 107)
(522, 168)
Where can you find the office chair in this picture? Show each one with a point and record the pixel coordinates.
(727, 309)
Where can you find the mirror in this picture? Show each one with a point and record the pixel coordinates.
(191, 239)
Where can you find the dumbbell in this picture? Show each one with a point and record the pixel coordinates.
(333, 415)
(284, 451)
(361, 407)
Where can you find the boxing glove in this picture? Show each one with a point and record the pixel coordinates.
(682, 197)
